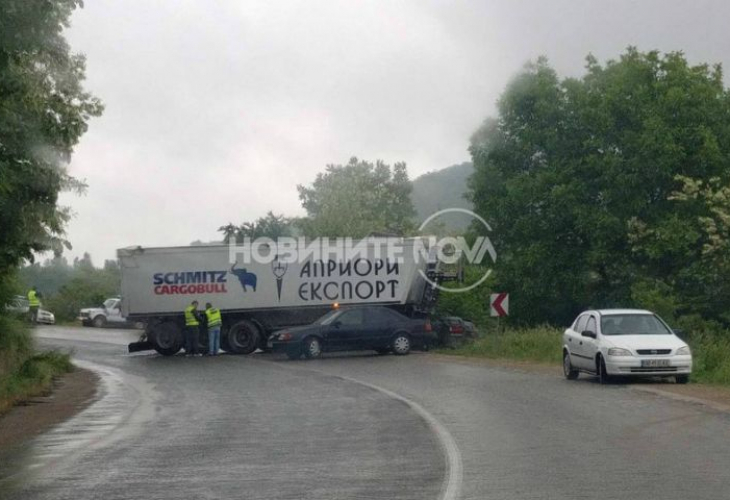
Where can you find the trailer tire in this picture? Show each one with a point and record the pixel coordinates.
(243, 337)
(166, 338)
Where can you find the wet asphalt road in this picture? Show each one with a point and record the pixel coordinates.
(361, 427)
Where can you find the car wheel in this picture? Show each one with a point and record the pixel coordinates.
(682, 379)
(312, 348)
(401, 344)
(568, 370)
(603, 377)
(99, 321)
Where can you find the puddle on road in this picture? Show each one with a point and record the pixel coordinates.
(125, 403)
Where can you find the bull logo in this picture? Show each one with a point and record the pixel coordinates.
(244, 277)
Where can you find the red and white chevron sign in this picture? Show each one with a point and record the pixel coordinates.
(499, 304)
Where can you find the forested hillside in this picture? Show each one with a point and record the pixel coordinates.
(442, 189)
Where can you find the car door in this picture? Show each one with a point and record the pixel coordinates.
(575, 342)
(115, 312)
(345, 331)
(380, 324)
(589, 346)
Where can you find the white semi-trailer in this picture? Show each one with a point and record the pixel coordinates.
(258, 291)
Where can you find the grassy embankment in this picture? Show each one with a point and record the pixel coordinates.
(25, 373)
(711, 350)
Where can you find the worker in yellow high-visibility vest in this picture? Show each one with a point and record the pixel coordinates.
(213, 316)
(34, 304)
(191, 329)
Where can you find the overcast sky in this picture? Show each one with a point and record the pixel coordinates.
(216, 110)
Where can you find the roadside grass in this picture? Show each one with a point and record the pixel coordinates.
(539, 344)
(711, 358)
(543, 344)
(25, 373)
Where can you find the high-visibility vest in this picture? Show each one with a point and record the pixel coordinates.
(33, 299)
(214, 317)
(190, 319)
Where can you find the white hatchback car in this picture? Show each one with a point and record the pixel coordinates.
(633, 342)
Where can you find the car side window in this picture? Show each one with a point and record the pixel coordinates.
(380, 316)
(580, 324)
(351, 318)
(591, 326)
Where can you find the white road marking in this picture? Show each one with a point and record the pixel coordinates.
(451, 488)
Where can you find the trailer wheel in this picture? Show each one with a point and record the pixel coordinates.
(167, 338)
(243, 337)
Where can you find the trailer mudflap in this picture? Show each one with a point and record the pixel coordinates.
(144, 345)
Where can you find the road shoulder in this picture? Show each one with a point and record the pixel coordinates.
(715, 397)
(70, 394)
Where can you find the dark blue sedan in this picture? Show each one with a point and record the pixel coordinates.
(374, 328)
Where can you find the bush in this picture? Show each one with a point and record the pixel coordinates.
(16, 345)
(710, 344)
(540, 344)
(472, 305)
(24, 374)
(77, 294)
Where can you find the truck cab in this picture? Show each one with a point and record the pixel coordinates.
(110, 313)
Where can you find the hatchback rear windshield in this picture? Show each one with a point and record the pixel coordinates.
(633, 324)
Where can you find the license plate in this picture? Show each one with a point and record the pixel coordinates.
(653, 363)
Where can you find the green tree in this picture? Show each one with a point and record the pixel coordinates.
(270, 226)
(569, 166)
(697, 236)
(273, 226)
(44, 110)
(358, 199)
(67, 288)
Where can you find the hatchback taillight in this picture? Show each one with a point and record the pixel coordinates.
(456, 329)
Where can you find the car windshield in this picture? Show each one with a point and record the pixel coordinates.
(633, 324)
(329, 317)
(109, 303)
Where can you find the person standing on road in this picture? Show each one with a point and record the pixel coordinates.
(34, 304)
(213, 315)
(192, 325)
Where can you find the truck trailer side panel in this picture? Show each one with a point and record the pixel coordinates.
(160, 281)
